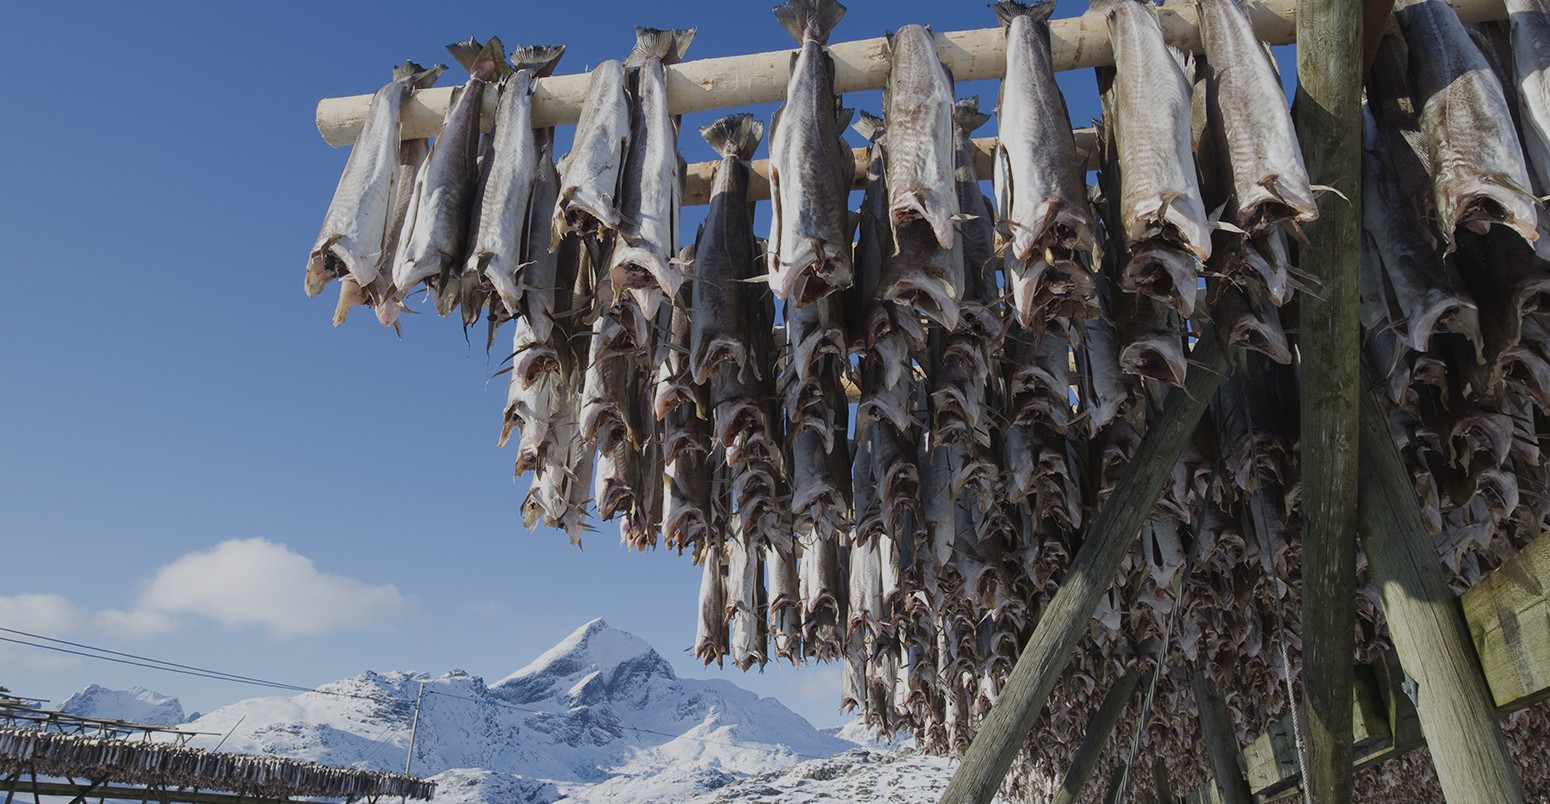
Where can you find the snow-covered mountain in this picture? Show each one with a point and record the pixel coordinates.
(599, 717)
(134, 705)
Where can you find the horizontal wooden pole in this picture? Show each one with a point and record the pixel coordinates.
(1509, 618)
(731, 81)
(698, 176)
(112, 793)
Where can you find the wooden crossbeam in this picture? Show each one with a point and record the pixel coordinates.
(115, 793)
(1509, 619)
(730, 81)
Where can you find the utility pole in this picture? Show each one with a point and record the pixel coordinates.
(414, 729)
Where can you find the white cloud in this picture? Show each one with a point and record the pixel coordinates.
(42, 614)
(136, 624)
(255, 582)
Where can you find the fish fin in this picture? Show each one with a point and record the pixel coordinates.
(868, 125)
(1227, 227)
(486, 62)
(843, 116)
(809, 19)
(666, 45)
(465, 53)
(540, 59)
(1184, 58)
(736, 135)
(1324, 188)
(1009, 10)
(967, 114)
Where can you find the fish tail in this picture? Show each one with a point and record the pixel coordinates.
(869, 126)
(809, 19)
(967, 114)
(486, 62)
(667, 45)
(1008, 10)
(418, 77)
(1106, 5)
(540, 59)
(734, 135)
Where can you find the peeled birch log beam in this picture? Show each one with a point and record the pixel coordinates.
(728, 81)
(1329, 126)
(697, 177)
(1458, 717)
(1065, 621)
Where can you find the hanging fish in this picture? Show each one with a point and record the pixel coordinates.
(1477, 168)
(811, 169)
(642, 260)
(356, 225)
(724, 255)
(918, 146)
(592, 173)
(511, 173)
(1249, 114)
(437, 238)
(1042, 207)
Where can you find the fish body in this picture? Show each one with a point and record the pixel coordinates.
(1530, 30)
(535, 291)
(642, 259)
(445, 189)
(353, 239)
(590, 174)
(1159, 193)
(1478, 173)
(918, 147)
(496, 256)
(1269, 180)
(1042, 198)
(810, 167)
(724, 255)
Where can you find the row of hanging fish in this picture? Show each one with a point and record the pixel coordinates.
(881, 432)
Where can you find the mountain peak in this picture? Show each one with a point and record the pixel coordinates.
(592, 655)
(134, 705)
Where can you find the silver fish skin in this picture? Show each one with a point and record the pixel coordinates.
(745, 615)
(724, 254)
(1269, 180)
(1478, 173)
(1159, 193)
(785, 593)
(355, 226)
(918, 145)
(1041, 196)
(508, 185)
(810, 167)
(535, 291)
(710, 636)
(531, 397)
(642, 258)
(446, 186)
(590, 174)
(1530, 29)
(978, 228)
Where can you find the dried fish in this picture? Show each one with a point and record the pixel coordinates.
(811, 168)
(592, 173)
(436, 240)
(724, 255)
(918, 145)
(355, 228)
(642, 259)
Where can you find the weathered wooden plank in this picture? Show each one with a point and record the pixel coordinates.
(1217, 732)
(1065, 620)
(115, 793)
(1457, 715)
(1328, 115)
(1509, 618)
(1099, 730)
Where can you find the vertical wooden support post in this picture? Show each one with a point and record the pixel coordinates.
(1091, 572)
(1221, 741)
(1457, 715)
(1329, 126)
(1099, 729)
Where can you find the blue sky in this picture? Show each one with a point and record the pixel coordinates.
(176, 409)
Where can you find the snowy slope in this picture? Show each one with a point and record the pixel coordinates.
(135, 705)
(599, 717)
